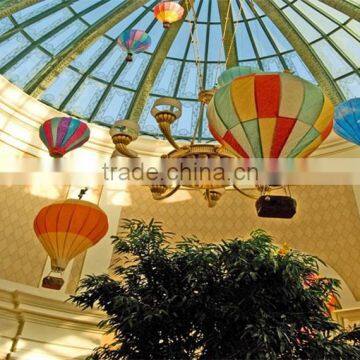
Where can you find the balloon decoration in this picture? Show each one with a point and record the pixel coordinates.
(134, 41)
(229, 75)
(66, 229)
(332, 302)
(168, 12)
(347, 120)
(270, 115)
(63, 134)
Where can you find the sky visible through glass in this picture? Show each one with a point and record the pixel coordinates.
(99, 86)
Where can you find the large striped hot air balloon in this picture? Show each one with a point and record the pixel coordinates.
(230, 74)
(63, 134)
(270, 115)
(168, 12)
(67, 228)
(134, 41)
(347, 120)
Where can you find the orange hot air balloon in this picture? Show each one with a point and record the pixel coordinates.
(168, 12)
(66, 229)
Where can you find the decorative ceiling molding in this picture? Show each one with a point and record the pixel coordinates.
(8, 7)
(154, 67)
(48, 74)
(228, 31)
(345, 7)
(304, 50)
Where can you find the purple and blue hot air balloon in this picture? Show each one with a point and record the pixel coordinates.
(134, 41)
(347, 120)
(63, 134)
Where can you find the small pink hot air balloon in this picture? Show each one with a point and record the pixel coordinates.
(63, 134)
(134, 41)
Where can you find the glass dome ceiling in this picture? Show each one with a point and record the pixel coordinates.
(65, 52)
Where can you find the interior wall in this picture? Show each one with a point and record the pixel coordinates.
(22, 256)
(327, 223)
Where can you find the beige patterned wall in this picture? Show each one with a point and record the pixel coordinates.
(327, 223)
(22, 257)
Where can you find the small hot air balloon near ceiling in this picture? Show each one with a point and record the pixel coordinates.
(66, 229)
(134, 41)
(270, 115)
(168, 12)
(63, 134)
(347, 120)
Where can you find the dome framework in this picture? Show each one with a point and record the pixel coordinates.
(65, 52)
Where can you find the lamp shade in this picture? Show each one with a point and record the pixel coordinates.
(63, 134)
(270, 115)
(68, 228)
(347, 120)
(134, 41)
(168, 12)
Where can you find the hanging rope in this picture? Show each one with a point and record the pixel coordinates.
(195, 41)
(200, 76)
(233, 37)
(223, 40)
(234, 34)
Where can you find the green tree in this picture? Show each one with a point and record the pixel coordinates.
(239, 299)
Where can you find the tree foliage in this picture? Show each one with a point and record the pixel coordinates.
(238, 299)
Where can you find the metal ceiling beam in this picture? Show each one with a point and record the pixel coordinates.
(303, 49)
(345, 7)
(155, 64)
(228, 30)
(8, 7)
(32, 20)
(48, 74)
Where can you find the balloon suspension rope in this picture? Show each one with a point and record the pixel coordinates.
(223, 39)
(82, 192)
(240, 11)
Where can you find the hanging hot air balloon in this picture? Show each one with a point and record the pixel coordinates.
(168, 12)
(63, 134)
(347, 120)
(66, 229)
(332, 302)
(270, 115)
(229, 75)
(134, 41)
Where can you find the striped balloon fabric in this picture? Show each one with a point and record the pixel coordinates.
(270, 115)
(68, 228)
(229, 75)
(63, 134)
(347, 120)
(168, 12)
(134, 41)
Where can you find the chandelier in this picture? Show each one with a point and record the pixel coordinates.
(166, 111)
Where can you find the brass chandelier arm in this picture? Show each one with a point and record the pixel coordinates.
(168, 194)
(124, 150)
(244, 193)
(8, 7)
(165, 128)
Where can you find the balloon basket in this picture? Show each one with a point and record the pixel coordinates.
(166, 25)
(276, 207)
(56, 154)
(52, 282)
(129, 57)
